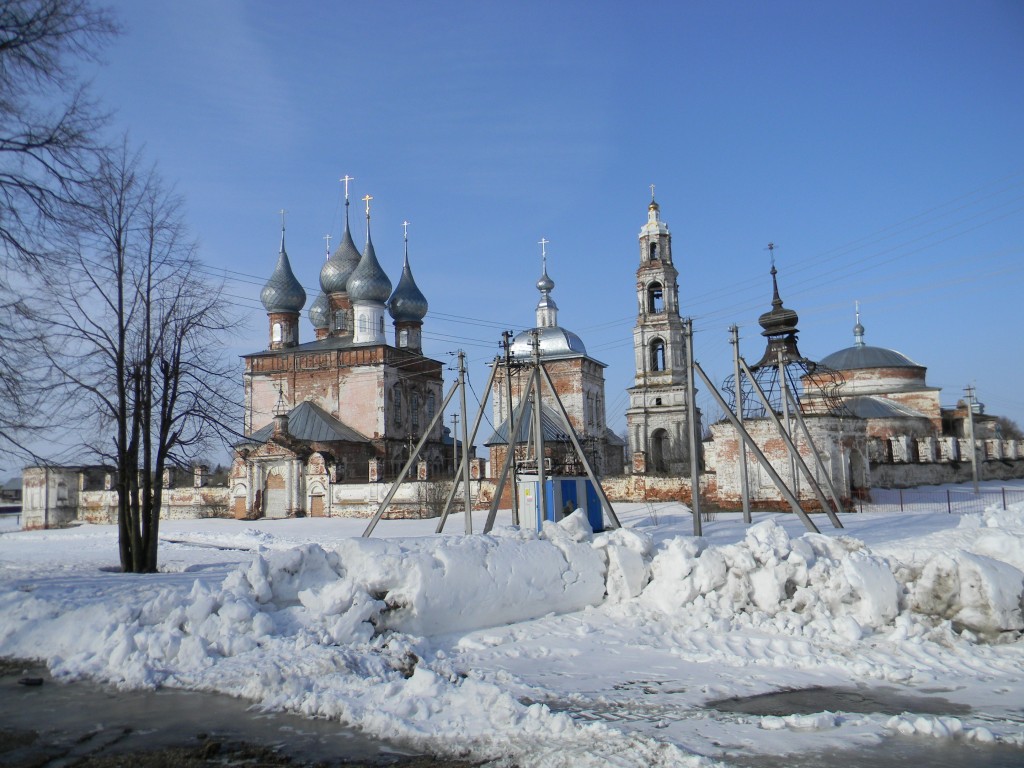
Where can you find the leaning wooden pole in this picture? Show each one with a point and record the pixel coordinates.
(472, 439)
(691, 410)
(738, 384)
(761, 458)
(598, 489)
(506, 466)
(412, 458)
(795, 457)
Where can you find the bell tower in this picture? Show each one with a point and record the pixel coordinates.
(657, 414)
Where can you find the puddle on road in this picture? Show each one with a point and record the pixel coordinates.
(865, 701)
(83, 718)
(897, 752)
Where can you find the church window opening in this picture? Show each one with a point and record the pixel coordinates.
(396, 396)
(381, 330)
(431, 405)
(654, 251)
(414, 410)
(364, 324)
(403, 337)
(275, 332)
(657, 355)
(655, 299)
(339, 320)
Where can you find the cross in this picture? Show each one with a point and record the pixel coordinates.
(652, 193)
(405, 227)
(543, 246)
(771, 252)
(328, 239)
(346, 179)
(282, 212)
(367, 199)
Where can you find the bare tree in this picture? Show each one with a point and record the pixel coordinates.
(135, 342)
(48, 133)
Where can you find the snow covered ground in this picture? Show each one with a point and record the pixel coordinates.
(560, 649)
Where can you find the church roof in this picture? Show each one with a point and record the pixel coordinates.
(554, 342)
(860, 355)
(310, 423)
(551, 426)
(857, 357)
(867, 407)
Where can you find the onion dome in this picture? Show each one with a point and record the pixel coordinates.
(283, 293)
(778, 320)
(339, 267)
(407, 303)
(319, 312)
(368, 281)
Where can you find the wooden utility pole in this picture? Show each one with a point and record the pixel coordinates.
(738, 384)
(691, 409)
(969, 391)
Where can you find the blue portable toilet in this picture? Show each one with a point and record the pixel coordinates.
(564, 495)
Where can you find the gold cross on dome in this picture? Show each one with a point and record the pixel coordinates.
(652, 192)
(282, 212)
(367, 199)
(405, 228)
(345, 180)
(328, 239)
(543, 246)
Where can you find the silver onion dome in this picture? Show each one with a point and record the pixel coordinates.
(368, 281)
(338, 268)
(319, 312)
(407, 303)
(283, 293)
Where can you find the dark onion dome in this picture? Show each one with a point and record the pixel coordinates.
(283, 293)
(319, 312)
(338, 269)
(407, 303)
(368, 281)
(778, 320)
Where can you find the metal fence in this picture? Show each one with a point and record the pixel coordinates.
(952, 501)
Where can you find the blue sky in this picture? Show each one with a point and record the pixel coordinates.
(877, 144)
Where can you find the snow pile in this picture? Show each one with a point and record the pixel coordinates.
(951, 728)
(813, 582)
(816, 583)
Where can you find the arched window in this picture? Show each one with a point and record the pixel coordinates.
(431, 405)
(654, 251)
(364, 323)
(655, 299)
(403, 337)
(396, 395)
(414, 411)
(275, 332)
(657, 355)
(339, 320)
(381, 324)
